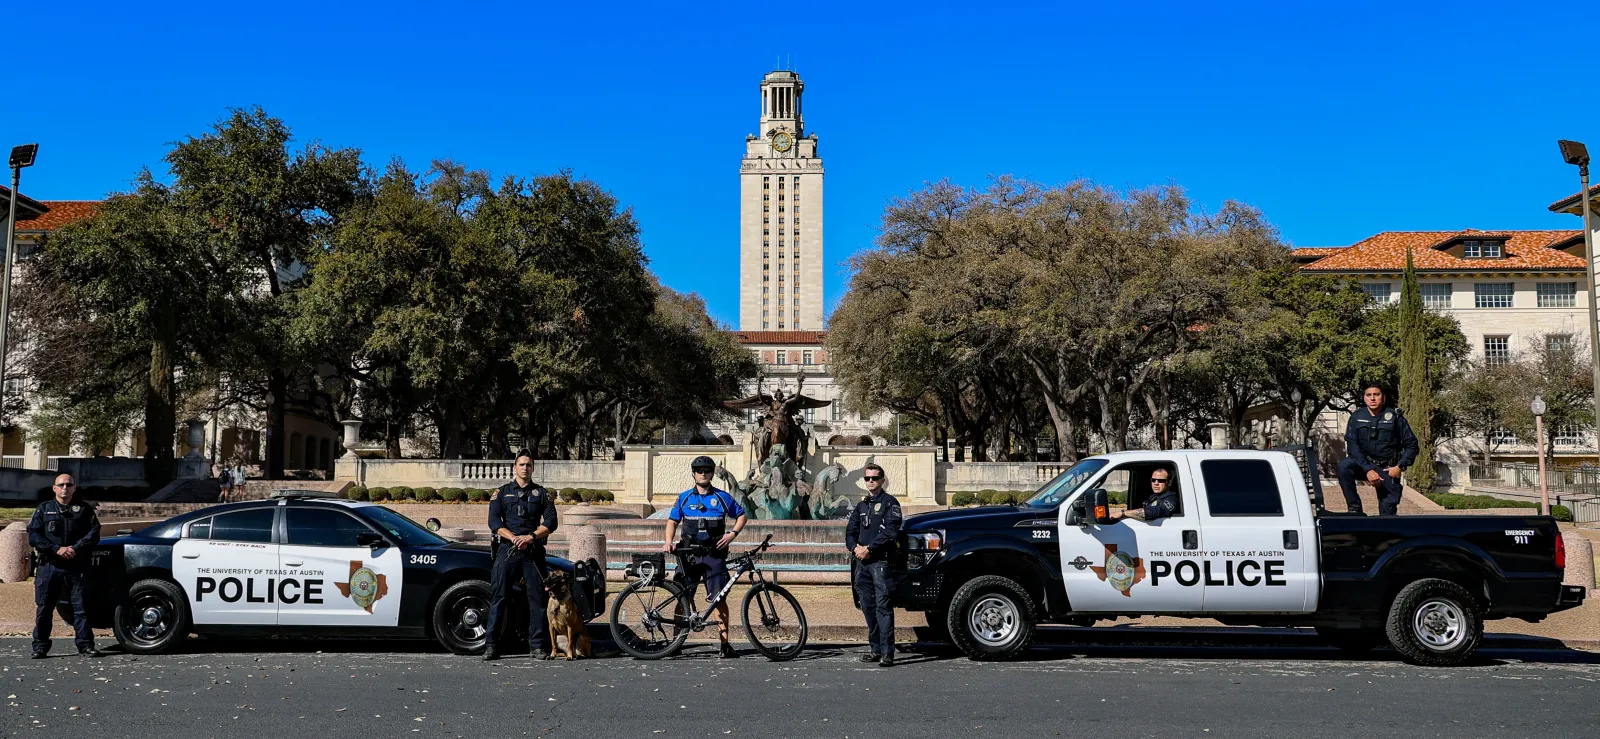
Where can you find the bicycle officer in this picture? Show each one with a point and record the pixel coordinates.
(698, 525)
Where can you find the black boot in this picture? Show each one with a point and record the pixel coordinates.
(491, 654)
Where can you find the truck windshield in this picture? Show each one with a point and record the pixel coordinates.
(1065, 484)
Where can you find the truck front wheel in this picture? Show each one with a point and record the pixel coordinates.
(991, 618)
(1435, 623)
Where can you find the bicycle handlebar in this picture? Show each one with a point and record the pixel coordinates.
(693, 549)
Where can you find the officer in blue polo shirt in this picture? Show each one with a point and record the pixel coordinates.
(699, 520)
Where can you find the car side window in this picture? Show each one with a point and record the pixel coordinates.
(200, 529)
(1241, 487)
(324, 527)
(254, 525)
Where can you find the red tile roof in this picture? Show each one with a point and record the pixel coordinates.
(1317, 251)
(62, 212)
(781, 337)
(1571, 200)
(1386, 252)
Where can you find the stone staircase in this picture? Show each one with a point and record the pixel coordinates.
(1411, 502)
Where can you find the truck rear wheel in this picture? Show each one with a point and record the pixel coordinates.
(1435, 623)
(991, 618)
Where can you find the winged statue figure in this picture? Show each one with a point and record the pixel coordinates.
(779, 424)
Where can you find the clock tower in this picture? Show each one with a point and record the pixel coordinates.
(780, 215)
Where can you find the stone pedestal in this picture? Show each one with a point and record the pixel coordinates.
(586, 542)
(1219, 435)
(14, 552)
(1580, 560)
(352, 437)
(194, 466)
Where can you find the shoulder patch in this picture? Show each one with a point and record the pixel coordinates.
(494, 495)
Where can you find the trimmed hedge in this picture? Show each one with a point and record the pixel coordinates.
(402, 492)
(963, 498)
(427, 494)
(1456, 502)
(378, 494)
(356, 492)
(452, 495)
(477, 496)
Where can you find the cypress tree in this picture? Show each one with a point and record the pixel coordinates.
(1416, 393)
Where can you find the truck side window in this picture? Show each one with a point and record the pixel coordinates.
(1241, 487)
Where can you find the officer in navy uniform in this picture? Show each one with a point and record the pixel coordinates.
(522, 514)
(61, 532)
(699, 519)
(871, 536)
(1380, 445)
(1163, 500)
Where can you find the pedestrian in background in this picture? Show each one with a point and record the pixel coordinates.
(870, 536)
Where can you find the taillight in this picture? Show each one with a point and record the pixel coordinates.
(1561, 552)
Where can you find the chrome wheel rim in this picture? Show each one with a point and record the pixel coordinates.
(993, 620)
(1440, 625)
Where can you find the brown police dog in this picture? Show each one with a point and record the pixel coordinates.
(564, 618)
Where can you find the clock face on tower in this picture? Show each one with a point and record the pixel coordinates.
(782, 141)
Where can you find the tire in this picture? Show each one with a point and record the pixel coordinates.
(784, 633)
(1354, 641)
(937, 630)
(639, 638)
(1434, 623)
(152, 619)
(461, 617)
(991, 619)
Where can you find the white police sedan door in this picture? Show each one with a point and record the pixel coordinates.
(1132, 566)
(332, 574)
(225, 563)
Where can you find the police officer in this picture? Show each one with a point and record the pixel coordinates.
(1380, 445)
(522, 514)
(1163, 500)
(699, 519)
(871, 535)
(61, 532)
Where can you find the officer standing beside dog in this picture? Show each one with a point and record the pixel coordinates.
(1380, 445)
(523, 515)
(61, 532)
(870, 536)
(699, 519)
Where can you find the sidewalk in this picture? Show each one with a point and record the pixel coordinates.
(832, 617)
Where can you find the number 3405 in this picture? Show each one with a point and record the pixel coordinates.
(424, 559)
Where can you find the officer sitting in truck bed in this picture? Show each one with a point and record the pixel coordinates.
(1380, 444)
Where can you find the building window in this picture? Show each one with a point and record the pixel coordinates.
(1482, 249)
(783, 356)
(1557, 343)
(811, 417)
(1496, 350)
(1558, 294)
(1378, 291)
(837, 410)
(1436, 295)
(805, 358)
(1493, 294)
(764, 324)
(763, 301)
(780, 325)
(1504, 436)
(1570, 436)
(763, 314)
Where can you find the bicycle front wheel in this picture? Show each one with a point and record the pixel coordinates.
(774, 622)
(636, 624)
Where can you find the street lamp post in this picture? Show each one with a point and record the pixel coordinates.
(1575, 153)
(1538, 409)
(21, 156)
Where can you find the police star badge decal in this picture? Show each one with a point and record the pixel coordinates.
(364, 587)
(1121, 570)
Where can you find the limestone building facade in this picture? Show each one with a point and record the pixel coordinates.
(780, 215)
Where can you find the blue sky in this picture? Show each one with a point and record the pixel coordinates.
(1337, 120)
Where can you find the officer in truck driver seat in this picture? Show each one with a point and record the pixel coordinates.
(1380, 445)
(1163, 500)
(699, 519)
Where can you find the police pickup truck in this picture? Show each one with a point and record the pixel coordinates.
(304, 566)
(1247, 544)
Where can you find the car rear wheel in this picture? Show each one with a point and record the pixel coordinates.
(461, 617)
(153, 619)
(991, 618)
(1435, 623)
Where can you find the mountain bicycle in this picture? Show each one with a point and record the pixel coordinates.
(653, 616)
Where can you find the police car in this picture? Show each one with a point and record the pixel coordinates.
(303, 565)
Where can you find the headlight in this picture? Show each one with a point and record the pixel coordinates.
(931, 541)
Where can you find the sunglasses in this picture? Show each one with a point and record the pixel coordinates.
(872, 478)
(704, 470)
(1162, 480)
(66, 485)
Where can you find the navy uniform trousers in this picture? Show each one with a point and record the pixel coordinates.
(48, 584)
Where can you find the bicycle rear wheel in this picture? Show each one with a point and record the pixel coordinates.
(635, 619)
(774, 622)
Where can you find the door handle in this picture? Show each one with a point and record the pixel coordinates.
(292, 564)
(1291, 539)
(191, 556)
(1191, 539)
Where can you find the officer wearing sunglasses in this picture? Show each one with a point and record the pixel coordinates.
(870, 537)
(62, 532)
(1163, 500)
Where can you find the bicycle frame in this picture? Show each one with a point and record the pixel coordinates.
(698, 621)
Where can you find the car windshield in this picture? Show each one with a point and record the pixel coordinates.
(409, 532)
(1065, 484)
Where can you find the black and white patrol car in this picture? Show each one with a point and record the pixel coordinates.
(305, 566)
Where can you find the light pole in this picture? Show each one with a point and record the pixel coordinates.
(21, 156)
(1575, 153)
(1538, 432)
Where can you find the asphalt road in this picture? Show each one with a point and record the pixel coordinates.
(289, 688)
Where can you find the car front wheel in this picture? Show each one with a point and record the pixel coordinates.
(461, 617)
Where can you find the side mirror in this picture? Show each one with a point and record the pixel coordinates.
(432, 524)
(1076, 515)
(1097, 507)
(369, 539)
